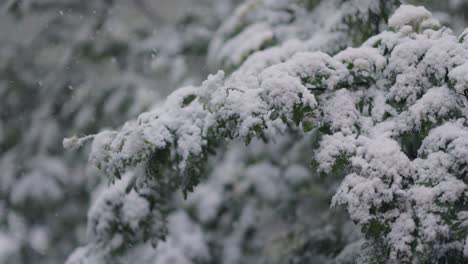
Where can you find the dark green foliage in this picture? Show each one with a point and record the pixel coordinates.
(187, 100)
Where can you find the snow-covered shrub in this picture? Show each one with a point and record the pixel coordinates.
(386, 121)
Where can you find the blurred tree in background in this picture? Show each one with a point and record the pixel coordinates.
(71, 68)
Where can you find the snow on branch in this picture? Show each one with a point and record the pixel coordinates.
(391, 114)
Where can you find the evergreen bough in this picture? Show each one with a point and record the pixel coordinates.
(388, 119)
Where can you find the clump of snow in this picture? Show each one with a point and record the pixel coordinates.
(459, 76)
(344, 118)
(417, 17)
(363, 58)
(333, 147)
(401, 236)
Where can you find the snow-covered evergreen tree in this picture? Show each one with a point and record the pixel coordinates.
(380, 127)
(331, 131)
